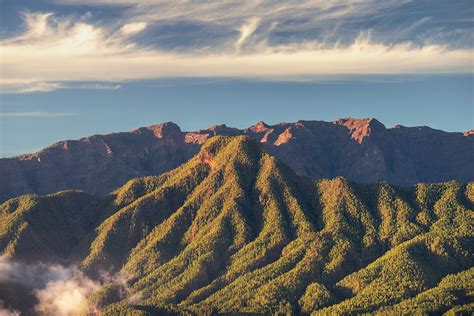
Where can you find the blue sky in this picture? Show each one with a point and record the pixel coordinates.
(72, 68)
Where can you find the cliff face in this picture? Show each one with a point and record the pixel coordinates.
(362, 150)
(96, 164)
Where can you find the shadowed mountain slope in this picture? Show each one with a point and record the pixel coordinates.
(233, 230)
(362, 150)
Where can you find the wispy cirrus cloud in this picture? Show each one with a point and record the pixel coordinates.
(133, 28)
(26, 86)
(257, 39)
(19, 86)
(246, 30)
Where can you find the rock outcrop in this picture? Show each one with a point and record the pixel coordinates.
(362, 150)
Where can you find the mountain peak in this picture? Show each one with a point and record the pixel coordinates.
(223, 129)
(201, 136)
(260, 127)
(241, 144)
(469, 132)
(360, 128)
(165, 130)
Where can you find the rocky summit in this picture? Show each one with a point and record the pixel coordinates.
(361, 150)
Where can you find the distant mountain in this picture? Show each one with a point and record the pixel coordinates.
(361, 150)
(233, 230)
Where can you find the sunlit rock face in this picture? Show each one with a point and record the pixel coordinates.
(362, 150)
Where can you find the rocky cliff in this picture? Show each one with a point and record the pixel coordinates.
(362, 150)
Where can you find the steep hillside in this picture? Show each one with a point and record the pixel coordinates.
(49, 228)
(234, 230)
(362, 150)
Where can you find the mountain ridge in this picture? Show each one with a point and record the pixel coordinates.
(234, 230)
(362, 150)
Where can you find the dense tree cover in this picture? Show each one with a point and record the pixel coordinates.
(235, 231)
(50, 228)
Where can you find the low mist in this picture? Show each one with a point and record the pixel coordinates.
(44, 289)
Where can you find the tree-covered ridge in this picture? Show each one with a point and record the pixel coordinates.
(233, 230)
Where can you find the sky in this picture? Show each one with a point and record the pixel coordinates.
(72, 68)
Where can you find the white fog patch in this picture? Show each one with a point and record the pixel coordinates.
(67, 296)
(32, 276)
(8, 312)
(58, 290)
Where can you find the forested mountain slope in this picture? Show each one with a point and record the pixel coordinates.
(234, 230)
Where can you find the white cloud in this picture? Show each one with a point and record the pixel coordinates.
(26, 86)
(246, 30)
(17, 86)
(59, 290)
(8, 312)
(132, 28)
(232, 10)
(53, 50)
(66, 297)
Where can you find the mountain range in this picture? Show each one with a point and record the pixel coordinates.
(235, 230)
(361, 150)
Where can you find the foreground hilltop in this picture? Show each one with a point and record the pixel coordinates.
(234, 230)
(361, 150)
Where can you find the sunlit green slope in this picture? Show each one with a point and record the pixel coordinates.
(233, 230)
(49, 228)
